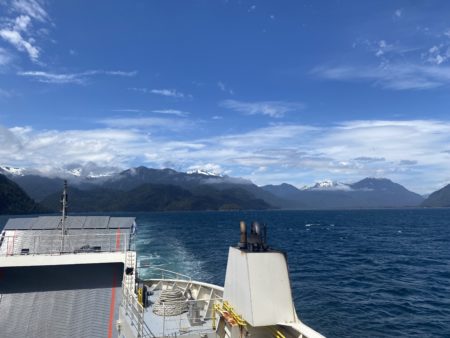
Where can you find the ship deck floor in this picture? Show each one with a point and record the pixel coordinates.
(172, 325)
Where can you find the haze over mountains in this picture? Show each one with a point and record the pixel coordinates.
(147, 189)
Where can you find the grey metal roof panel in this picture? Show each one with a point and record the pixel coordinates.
(75, 222)
(121, 222)
(46, 223)
(20, 223)
(96, 222)
(72, 222)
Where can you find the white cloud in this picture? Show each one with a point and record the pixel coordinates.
(172, 112)
(212, 168)
(163, 92)
(269, 108)
(75, 78)
(31, 8)
(391, 76)
(112, 72)
(47, 77)
(437, 54)
(17, 31)
(16, 39)
(398, 13)
(411, 152)
(225, 88)
(167, 92)
(22, 22)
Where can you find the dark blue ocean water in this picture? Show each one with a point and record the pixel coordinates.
(368, 273)
(364, 273)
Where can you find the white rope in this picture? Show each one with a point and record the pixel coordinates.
(170, 303)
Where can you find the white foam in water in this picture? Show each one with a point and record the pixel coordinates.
(311, 224)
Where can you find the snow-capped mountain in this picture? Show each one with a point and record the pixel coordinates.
(83, 173)
(204, 172)
(366, 193)
(86, 171)
(7, 170)
(328, 185)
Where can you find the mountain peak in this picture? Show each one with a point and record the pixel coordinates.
(328, 185)
(375, 183)
(204, 172)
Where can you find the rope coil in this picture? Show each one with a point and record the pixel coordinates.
(170, 303)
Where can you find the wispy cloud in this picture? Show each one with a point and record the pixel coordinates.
(163, 92)
(437, 54)
(32, 8)
(17, 31)
(224, 88)
(418, 60)
(175, 112)
(145, 122)
(74, 78)
(17, 40)
(369, 159)
(391, 76)
(269, 108)
(167, 92)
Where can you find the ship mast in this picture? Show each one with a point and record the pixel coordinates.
(64, 214)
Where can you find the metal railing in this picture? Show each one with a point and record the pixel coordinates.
(56, 244)
(159, 273)
(168, 325)
(199, 322)
(135, 312)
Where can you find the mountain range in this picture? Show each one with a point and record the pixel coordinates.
(148, 189)
(367, 193)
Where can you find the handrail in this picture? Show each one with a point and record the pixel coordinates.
(163, 277)
(56, 244)
(135, 311)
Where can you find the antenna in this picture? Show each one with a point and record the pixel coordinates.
(64, 214)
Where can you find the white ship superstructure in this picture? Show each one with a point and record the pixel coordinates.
(77, 276)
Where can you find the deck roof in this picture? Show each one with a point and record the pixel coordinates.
(72, 222)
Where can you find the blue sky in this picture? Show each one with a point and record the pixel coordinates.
(291, 91)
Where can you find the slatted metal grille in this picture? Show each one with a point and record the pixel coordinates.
(62, 301)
